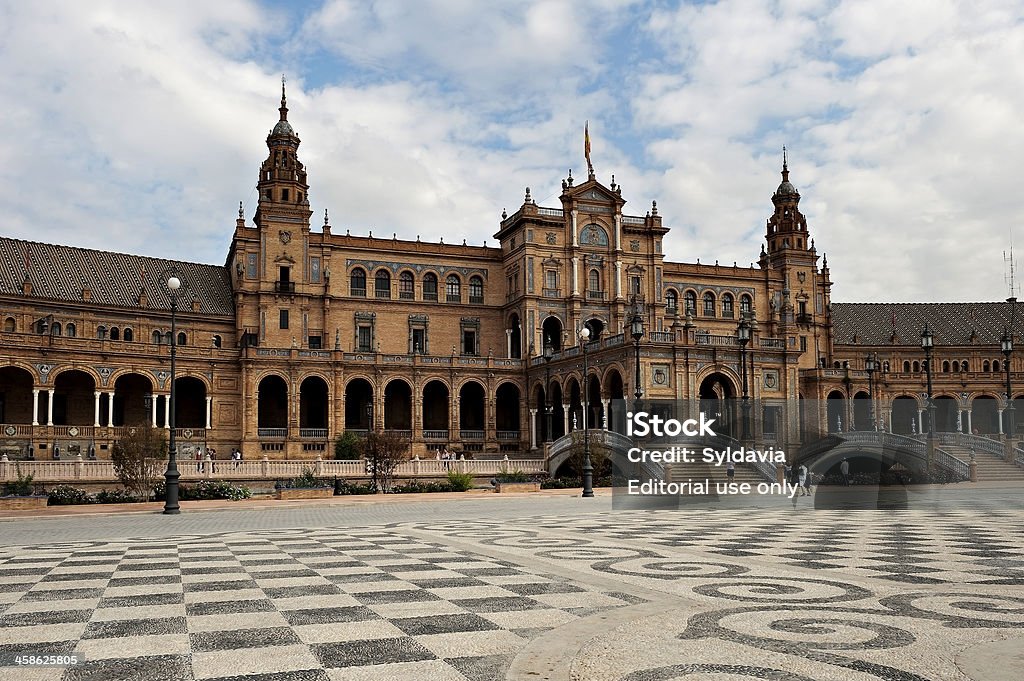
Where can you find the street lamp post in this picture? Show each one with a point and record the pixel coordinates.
(171, 475)
(369, 416)
(588, 466)
(1007, 347)
(743, 336)
(636, 330)
(927, 344)
(549, 406)
(871, 366)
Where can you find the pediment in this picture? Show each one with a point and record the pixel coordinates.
(284, 258)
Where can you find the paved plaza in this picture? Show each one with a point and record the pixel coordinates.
(551, 587)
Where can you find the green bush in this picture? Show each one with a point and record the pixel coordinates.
(345, 488)
(22, 487)
(213, 489)
(460, 482)
(117, 496)
(66, 495)
(419, 487)
(347, 446)
(307, 480)
(514, 476)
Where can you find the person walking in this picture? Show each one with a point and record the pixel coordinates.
(805, 480)
(844, 469)
(730, 470)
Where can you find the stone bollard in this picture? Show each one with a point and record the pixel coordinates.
(265, 467)
(207, 467)
(416, 466)
(319, 466)
(461, 467)
(79, 467)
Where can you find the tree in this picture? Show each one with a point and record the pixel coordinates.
(346, 447)
(384, 451)
(600, 455)
(138, 459)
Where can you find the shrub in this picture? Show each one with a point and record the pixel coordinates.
(117, 496)
(307, 480)
(418, 487)
(213, 489)
(22, 487)
(460, 482)
(514, 476)
(344, 488)
(66, 495)
(347, 446)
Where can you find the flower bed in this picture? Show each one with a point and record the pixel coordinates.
(22, 503)
(507, 487)
(304, 493)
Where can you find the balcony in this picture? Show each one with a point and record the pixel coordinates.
(805, 318)
(471, 434)
(272, 433)
(595, 295)
(435, 434)
(476, 300)
(662, 337)
(406, 295)
(313, 433)
(382, 293)
(284, 287)
(453, 298)
(357, 292)
(552, 293)
(430, 295)
(508, 435)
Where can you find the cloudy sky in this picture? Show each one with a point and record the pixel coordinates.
(139, 127)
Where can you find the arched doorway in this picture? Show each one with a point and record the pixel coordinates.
(862, 411)
(359, 405)
(552, 334)
(558, 412)
(471, 411)
(516, 337)
(541, 404)
(596, 327)
(617, 407)
(313, 399)
(397, 405)
(272, 398)
(836, 412)
(985, 415)
(905, 416)
(575, 405)
(595, 410)
(190, 403)
(506, 412)
(15, 395)
(435, 410)
(718, 401)
(74, 399)
(945, 414)
(130, 393)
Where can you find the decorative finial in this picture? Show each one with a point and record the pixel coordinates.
(654, 207)
(613, 181)
(824, 261)
(325, 217)
(785, 159)
(284, 102)
(527, 199)
(569, 179)
(463, 242)
(394, 236)
(504, 214)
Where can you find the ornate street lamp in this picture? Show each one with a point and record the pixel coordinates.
(369, 416)
(588, 466)
(927, 344)
(636, 330)
(743, 337)
(171, 475)
(1007, 347)
(871, 366)
(549, 406)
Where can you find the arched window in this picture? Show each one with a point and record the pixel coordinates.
(727, 310)
(917, 367)
(115, 333)
(55, 329)
(453, 289)
(476, 290)
(128, 335)
(382, 284)
(429, 286)
(746, 304)
(995, 365)
(594, 280)
(986, 365)
(964, 366)
(906, 367)
(406, 286)
(690, 300)
(9, 325)
(357, 283)
(216, 341)
(182, 339)
(70, 330)
(101, 332)
(709, 304)
(945, 366)
(157, 337)
(671, 300)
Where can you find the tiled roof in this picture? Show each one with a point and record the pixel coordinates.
(61, 272)
(951, 323)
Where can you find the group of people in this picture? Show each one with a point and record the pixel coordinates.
(236, 456)
(799, 477)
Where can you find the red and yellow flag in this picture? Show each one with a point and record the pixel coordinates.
(586, 142)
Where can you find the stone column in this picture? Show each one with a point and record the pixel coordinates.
(575, 278)
(920, 421)
(167, 411)
(618, 231)
(1001, 422)
(618, 279)
(565, 417)
(152, 404)
(508, 343)
(970, 427)
(35, 406)
(209, 411)
(49, 408)
(533, 429)
(575, 232)
(96, 409)
(110, 410)
(604, 412)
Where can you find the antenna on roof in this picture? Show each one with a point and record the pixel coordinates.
(1011, 269)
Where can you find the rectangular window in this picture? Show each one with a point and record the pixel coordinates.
(469, 342)
(284, 194)
(284, 319)
(316, 342)
(419, 341)
(314, 270)
(551, 279)
(803, 343)
(250, 265)
(364, 339)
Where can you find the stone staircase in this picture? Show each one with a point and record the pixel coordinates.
(990, 467)
(699, 471)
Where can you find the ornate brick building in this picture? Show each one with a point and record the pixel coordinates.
(303, 334)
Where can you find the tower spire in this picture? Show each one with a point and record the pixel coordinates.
(785, 165)
(284, 101)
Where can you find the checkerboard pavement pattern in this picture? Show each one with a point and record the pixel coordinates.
(910, 547)
(274, 605)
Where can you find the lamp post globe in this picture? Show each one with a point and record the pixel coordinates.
(588, 466)
(1006, 344)
(928, 344)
